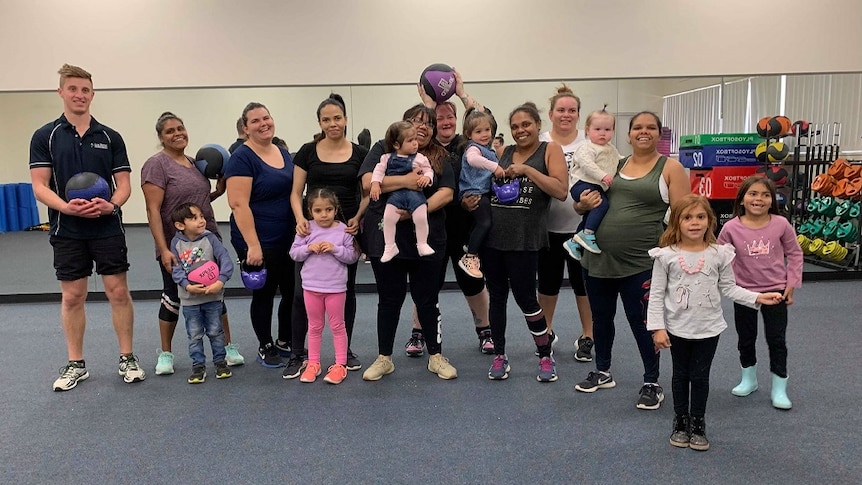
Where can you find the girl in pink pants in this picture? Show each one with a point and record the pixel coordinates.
(325, 253)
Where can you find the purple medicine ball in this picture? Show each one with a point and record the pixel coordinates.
(87, 185)
(438, 81)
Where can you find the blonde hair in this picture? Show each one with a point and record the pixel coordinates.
(673, 234)
(69, 70)
(564, 92)
(600, 112)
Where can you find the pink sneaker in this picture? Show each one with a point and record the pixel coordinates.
(312, 370)
(335, 374)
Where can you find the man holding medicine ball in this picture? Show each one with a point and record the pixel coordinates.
(85, 231)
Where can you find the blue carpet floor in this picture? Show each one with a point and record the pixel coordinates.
(412, 427)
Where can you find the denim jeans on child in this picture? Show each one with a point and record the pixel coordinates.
(204, 319)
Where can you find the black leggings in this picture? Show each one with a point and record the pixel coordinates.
(515, 270)
(279, 276)
(552, 259)
(775, 328)
(300, 317)
(457, 224)
(481, 225)
(391, 278)
(692, 361)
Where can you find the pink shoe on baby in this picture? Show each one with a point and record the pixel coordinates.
(389, 252)
(424, 249)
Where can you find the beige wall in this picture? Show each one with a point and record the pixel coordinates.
(169, 43)
(371, 50)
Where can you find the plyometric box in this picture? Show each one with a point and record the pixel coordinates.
(719, 182)
(709, 156)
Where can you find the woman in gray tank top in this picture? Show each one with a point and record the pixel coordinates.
(518, 232)
(644, 186)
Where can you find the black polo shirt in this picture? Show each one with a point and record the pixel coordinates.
(101, 150)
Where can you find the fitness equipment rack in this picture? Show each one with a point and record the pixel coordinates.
(825, 203)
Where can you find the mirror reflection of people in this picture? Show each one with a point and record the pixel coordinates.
(84, 232)
(644, 186)
(259, 179)
(168, 179)
(499, 143)
(240, 136)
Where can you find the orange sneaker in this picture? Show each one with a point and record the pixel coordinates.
(335, 374)
(312, 370)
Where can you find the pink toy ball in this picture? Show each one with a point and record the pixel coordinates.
(87, 185)
(438, 81)
(205, 274)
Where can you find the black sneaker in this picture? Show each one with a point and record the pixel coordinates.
(222, 370)
(595, 381)
(294, 367)
(352, 361)
(268, 356)
(199, 374)
(584, 349)
(283, 349)
(651, 396)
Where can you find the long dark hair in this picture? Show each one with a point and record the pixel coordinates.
(436, 154)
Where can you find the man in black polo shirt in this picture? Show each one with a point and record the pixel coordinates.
(85, 231)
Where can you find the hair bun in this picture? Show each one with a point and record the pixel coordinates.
(337, 97)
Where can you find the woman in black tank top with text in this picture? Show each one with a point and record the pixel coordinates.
(518, 232)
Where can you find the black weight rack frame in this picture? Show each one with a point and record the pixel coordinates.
(812, 157)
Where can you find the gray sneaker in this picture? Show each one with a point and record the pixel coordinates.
(595, 381)
(499, 368)
(70, 375)
(547, 370)
(130, 370)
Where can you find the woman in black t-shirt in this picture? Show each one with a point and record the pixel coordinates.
(423, 272)
(333, 162)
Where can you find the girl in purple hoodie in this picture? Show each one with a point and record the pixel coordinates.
(325, 252)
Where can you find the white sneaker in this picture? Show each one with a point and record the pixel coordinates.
(130, 371)
(70, 375)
